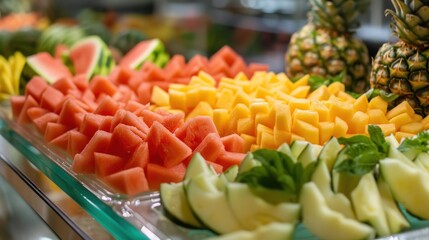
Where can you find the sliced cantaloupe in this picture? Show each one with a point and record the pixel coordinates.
(306, 130)
(359, 122)
(403, 107)
(308, 116)
(340, 127)
(361, 104)
(378, 103)
(401, 119)
(412, 127)
(376, 116)
(326, 131)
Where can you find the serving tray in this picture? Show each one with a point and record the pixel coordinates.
(125, 217)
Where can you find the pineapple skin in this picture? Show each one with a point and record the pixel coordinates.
(321, 52)
(403, 69)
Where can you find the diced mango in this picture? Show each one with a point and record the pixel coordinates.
(387, 128)
(341, 109)
(326, 131)
(257, 107)
(378, 103)
(320, 94)
(262, 92)
(336, 87)
(281, 137)
(193, 98)
(295, 137)
(283, 120)
(241, 77)
(345, 97)
(208, 94)
(238, 112)
(401, 135)
(306, 130)
(284, 79)
(246, 125)
(322, 110)
(425, 120)
(403, 107)
(361, 104)
(300, 92)
(232, 87)
(249, 140)
(178, 100)
(376, 116)
(412, 127)
(261, 129)
(308, 116)
(241, 97)
(340, 127)
(160, 97)
(221, 119)
(417, 117)
(359, 122)
(267, 141)
(298, 103)
(202, 109)
(225, 98)
(401, 119)
(206, 78)
(303, 81)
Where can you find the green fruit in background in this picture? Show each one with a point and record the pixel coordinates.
(24, 41)
(5, 37)
(127, 39)
(59, 34)
(95, 28)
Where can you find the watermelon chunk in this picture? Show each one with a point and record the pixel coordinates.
(157, 174)
(48, 67)
(107, 164)
(195, 130)
(130, 181)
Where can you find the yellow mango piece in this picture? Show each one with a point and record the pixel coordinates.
(378, 103)
(336, 87)
(267, 141)
(208, 94)
(257, 107)
(259, 130)
(160, 97)
(232, 87)
(295, 137)
(308, 116)
(197, 81)
(283, 96)
(246, 126)
(284, 79)
(306, 130)
(412, 127)
(300, 92)
(340, 128)
(341, 109)
(207, 78)
(361, 104)
(254, 147)
(345, 97)
(179, 87)
(417, 117)
(376, 116)
(202, 109)
(262, 92)
(264, 119)
(401, 119)
(225, 98)
(386, 128)
(320, 94)
(241, 97)
(238, 112)
(303, 81)
(326, 131)
(425, 120)
(322, 111)
(298, 103)
(249, 140)
(401, 135)
(403, 107)
(234, 82)
(283, 120)
(426, 126)
(241, 77)
(359, 123)
(221, 119)
(178, 100)
(193, 97)
(281, 137)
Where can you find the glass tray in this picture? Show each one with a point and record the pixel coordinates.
(138, 217)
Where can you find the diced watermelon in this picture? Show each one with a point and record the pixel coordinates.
(61, 141)
(130, 181)
(91, 123)
(195, 130)
(228, 159)
(101, 84)
(152, 72)
(233, 143)
(64, 85)
(107, 164)
(51, 98)
(84, 162)
(196, 64)
(149, 117)
(35, 87)
(227, 54)
(157, 174)
(76, 142)
(173, 121)
(35, 112)
(166, 147)
(140, 157)
(69, 113)
(134, 106)
(43, 120)
(81, 82)
(132, 119)
(29, 102)
(124, 141)
(17, 103)
(53, 130)
(210, 147)
(107, 106)
(121, 75)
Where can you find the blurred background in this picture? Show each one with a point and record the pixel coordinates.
(258, 29)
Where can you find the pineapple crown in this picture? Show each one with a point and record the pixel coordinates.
(411, 21)
(338, 15)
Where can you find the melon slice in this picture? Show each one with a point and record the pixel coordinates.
(90, 56)
(141, 52)
(47, 67)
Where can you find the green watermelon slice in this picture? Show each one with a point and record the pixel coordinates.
(144, 51)
(48, 67)
(90, 56)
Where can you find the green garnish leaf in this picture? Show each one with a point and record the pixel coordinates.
(317, 81)
(363, 152)
(419, 143)
(277, 173)
(386, 96)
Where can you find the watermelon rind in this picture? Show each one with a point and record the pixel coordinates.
(155, 45)
(51, 71)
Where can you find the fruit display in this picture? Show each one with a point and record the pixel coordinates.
(10, 75)
(326, 45)
(401, 67)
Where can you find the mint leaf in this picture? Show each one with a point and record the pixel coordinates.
(317, 81)
(377, 137)
(277, 174)
(359, 165)
(419, 143)
(386, 96)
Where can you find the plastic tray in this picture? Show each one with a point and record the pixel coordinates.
(125, 217)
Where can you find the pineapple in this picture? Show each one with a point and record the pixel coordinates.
(402, 67)
(326, 45)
